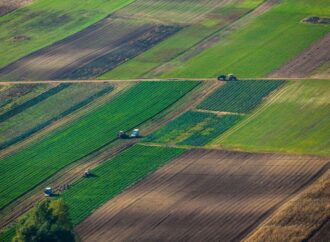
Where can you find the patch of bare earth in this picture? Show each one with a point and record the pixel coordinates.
(307, 62)
(204, 195)
(7, 6)
(305, 218)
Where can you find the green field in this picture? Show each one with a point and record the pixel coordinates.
(239, 96)
(23, 170)
(15, 95)
(193, 128)
(262, 46)
(54, 107)
(114, 176)
(296, 120)
(145, 64)
(45, 22)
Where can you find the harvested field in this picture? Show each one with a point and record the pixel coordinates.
(7, 6)
(204, 195)
(304, 218)
(95, 50)
(307, 62)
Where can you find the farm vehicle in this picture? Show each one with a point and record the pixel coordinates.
(229, 77)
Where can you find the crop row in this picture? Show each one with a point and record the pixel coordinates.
(28, 167)
(41, 97)
(72, 103)
(194, 128)
(240, 96)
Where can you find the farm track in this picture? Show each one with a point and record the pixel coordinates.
(73, 172)
(204, 194)
(307, 62)
(155, 80)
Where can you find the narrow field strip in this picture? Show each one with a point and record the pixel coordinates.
(302, 218)
(296, 121)
(24, 170)
(7, 6)
(43, 23)
(203, 195)
(13, 95)
(32, 102)
(33, 120)
(193, 129)
(239, 96)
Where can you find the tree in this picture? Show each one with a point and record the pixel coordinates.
(48, 221)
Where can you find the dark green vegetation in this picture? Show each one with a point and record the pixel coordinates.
(45, 22)
(194, 128)
(23, 170)
(46, 109)
(295, 120)
(239, 96)
(47, 221)
(114, 176)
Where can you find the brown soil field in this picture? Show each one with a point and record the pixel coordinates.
(307, 62)
(7, 6)
(111, 36)
(204, 195)
(306, 217)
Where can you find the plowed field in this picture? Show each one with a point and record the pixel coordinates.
(204, 195)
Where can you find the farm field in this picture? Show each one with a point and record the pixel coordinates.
(202, 195)
(239, 96)
(261, 47)
(13, 96)
(304, 218)
(213, 21)
(193, 129)
(43, 23)
(130, 32)
(295, 120)
(56, 106)
(113, 176)
(7, 6)
(23, 170)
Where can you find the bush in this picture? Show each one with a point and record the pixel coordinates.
(48, 221)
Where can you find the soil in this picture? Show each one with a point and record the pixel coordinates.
(204, 195)
(307, 62)
(90, 52)
(7, 6)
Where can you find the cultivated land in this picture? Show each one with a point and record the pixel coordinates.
(23, 170)
(7, 6)
(194, 129)
(202, 195)
(265, 44)
(43, 23)
(42, 112)
(295, 119)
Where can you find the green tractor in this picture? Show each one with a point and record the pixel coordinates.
(229, 77)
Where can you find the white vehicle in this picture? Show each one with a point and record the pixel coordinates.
(135, 133)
